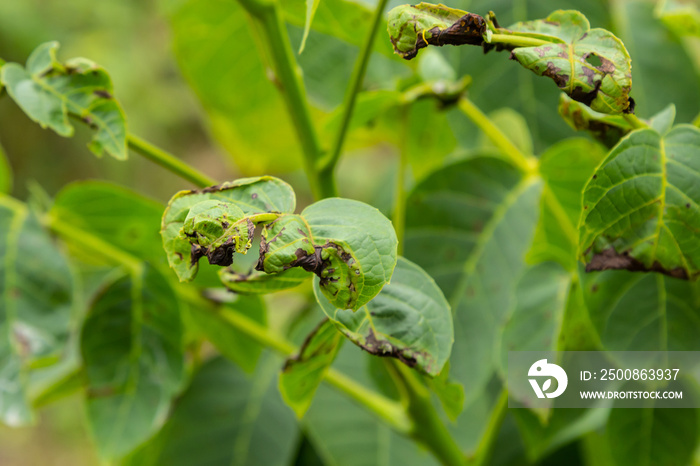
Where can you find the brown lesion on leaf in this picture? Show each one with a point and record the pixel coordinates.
(467, 30)
(223, 255)
(554, 72)
(384, 348)
(580, 95)
(609, 259)
(102, 93)
(310, 262)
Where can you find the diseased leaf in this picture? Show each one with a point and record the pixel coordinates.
(231, 342)
(565, 168)
(303, 373)
(49, 91)
(591, 65)
(246, 196)
(257, 282)
(469, 226)
(409, 320)
(35, 306)
(246, 422)
(134, 361)
(413, 27)
(642, 206)
(608, 129)
(350, 245)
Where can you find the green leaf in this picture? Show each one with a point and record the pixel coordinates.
(645, 437)
(250, 195)
(565, 168)
(114, 214)
(642, 206)
(449, 392)
(311, 7)
(608, 129)
(413, 27)
(226, 417)
(35, 306)
(535, 321)
(681, 17)
(592, 66)
(345, 434)
(234, 83)
(231, 342)
(662, 122)
(409, 320)
(303, 373)
(134, 361)
(656, 52)
(350, 245)
(642, 312)
(469, 226)
(561, 428)
(49, 91)
(257, 282)
(346, 20)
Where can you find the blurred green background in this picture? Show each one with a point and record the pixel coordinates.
(214, 108)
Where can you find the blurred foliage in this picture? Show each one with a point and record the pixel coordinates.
(189, 77)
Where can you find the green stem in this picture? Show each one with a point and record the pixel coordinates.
(484, 450)
(386, 409)
(427, 427)
(399, 216)
(527, 163)
(92, 243)
(517, 41)
(291, 84)
(356, 80)
(168, 161)
(696, 121)
(390, 411)
(632, 119)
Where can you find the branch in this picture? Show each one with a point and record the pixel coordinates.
(484, 450)
(168, 161)
(356, 79)
(527, 163)
(267, 14)
(428, 428)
